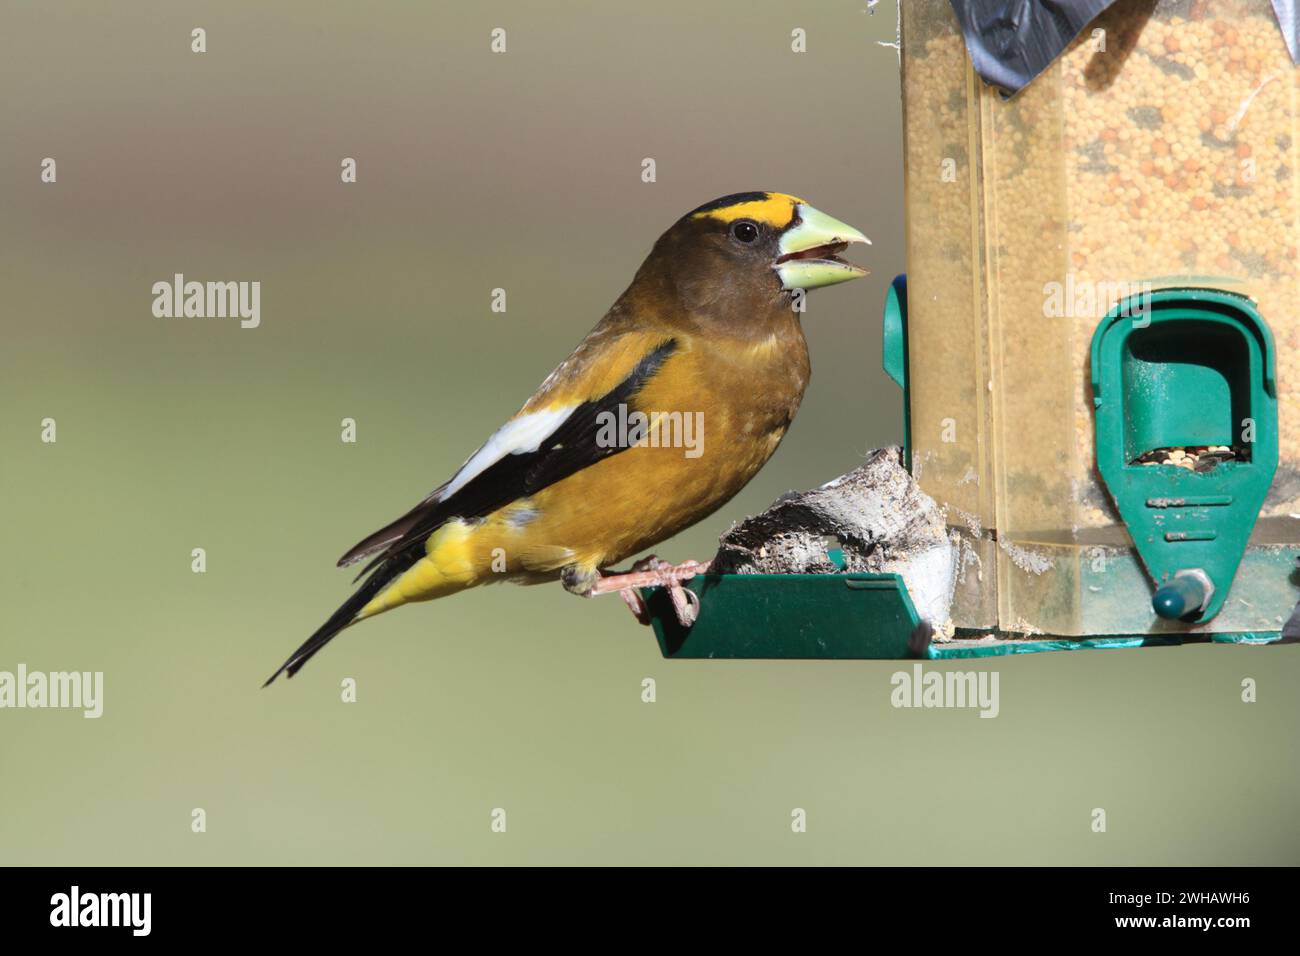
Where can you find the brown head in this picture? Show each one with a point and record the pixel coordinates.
(735, 263)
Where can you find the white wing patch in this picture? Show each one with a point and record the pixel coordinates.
(518, 436)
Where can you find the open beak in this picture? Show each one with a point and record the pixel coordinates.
(810, 251)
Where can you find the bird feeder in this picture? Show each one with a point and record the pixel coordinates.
(1097, 334)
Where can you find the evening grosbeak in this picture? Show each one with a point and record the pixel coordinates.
(705, 345)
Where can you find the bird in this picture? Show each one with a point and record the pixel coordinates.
(664, 411)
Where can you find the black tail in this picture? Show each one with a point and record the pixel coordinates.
(343, 616)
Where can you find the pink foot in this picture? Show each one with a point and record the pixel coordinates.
(651, 572)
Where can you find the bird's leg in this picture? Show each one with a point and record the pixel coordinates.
(651, 572)
(583, 581)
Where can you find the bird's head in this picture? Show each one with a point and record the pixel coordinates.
(748, 251)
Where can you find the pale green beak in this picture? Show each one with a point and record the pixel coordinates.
(809, 251)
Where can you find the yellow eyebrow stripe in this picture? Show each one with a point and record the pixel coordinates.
(776, 210)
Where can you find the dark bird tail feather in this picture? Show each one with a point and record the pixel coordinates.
(345, 614)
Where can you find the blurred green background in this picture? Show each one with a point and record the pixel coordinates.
(478, 170)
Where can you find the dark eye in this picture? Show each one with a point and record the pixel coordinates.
(744, 231)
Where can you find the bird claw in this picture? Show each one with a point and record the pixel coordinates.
(652, 572)
(685, 603)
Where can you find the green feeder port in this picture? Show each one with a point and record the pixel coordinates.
(893, 352)
(1178, 369)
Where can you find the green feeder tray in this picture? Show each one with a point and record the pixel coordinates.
(830, 616)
